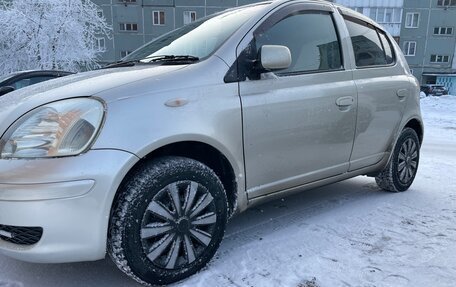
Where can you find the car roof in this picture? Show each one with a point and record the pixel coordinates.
(342, 9)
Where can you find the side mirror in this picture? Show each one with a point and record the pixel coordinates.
(275, 57)
(6, 90)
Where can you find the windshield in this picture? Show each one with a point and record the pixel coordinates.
(199, 39)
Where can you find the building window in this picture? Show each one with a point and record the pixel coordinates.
(380, 15)
(358, 9)
(189, 17)
(123, 54)
(443, 3)
(100, 44)
(411, 20)
(128, 27)
(100, 14)
(409, 48)
(445, 31)
(389, 15)
(158, 17)
(440, 59)
(386, 15)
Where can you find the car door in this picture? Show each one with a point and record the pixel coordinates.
(382, 87)
(298, 123)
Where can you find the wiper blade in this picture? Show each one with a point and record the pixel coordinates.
(152, 59)
(172, 58)
(119, 64)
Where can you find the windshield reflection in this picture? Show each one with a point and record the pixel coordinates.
(199, 39)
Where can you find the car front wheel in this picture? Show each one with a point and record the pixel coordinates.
(168, 221)
(400, 172)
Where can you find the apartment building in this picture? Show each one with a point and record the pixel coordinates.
(429, 42)
(136, 22)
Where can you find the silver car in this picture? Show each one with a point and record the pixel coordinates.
(146, 160)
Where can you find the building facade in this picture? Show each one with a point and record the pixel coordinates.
(428, 40)
(425, 29)
(136, 22)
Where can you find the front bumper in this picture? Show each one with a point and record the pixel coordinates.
(69, 198)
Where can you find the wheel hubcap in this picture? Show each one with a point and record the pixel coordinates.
(407, 161)
(178, 224)
(183, 225)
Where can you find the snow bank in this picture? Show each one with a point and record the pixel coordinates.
(439, 115)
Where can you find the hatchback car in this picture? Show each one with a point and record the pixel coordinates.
(146, 160)
(23, 79)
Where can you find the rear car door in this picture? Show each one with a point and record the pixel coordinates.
(382, 87)
(298, 123)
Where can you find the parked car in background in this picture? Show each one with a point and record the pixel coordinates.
(434, 90)
(18, 80)
(426, 89)
(147, 160)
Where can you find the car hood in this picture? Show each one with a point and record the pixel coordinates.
(15, 104)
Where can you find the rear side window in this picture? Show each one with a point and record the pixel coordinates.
(311, 38)
(387, 48)
(371, 48)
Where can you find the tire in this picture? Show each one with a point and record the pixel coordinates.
(168, 220)
(399, 173)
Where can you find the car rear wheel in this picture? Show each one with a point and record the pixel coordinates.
(168, 221)
(400, 172)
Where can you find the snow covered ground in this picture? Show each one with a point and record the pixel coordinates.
(345, 234)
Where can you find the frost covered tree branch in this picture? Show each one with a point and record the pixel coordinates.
(50, 34)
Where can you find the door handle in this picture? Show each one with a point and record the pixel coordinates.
(345, 101)
(402, 93)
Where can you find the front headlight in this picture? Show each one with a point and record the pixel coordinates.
(62, 128)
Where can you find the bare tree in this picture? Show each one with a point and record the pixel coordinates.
(50, 34)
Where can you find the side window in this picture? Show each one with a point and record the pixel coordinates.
(367, 46)
(39, 79)
(30, 81)
(21, 83)
(311, 38)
